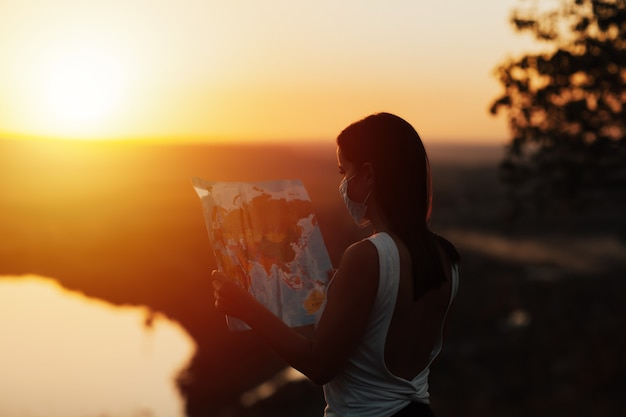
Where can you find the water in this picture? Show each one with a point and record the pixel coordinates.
(65, 355)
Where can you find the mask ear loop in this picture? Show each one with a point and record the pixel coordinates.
(367, 196)
(347, 181)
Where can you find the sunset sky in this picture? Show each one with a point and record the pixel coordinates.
(248, 70)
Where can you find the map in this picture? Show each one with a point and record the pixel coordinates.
(266, 237)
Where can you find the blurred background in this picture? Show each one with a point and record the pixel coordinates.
(107, 109)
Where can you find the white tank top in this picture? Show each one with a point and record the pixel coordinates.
(365, 387)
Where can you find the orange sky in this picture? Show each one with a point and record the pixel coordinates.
(251, 70)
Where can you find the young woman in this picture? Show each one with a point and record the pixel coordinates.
(382, 323)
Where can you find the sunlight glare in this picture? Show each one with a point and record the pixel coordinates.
(83, 86)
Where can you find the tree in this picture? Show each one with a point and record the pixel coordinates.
(566, 108)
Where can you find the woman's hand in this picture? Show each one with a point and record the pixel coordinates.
(231, 298)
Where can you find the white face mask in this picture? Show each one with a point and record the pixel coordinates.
(356, 210)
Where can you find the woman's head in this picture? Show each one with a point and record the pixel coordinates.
(400, 169)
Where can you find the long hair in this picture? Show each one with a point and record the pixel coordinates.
(402, 188)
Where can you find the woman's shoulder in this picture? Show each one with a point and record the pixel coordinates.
(357, 273)
(359, 263)
(361, 252)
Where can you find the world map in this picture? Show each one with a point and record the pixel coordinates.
(265, 236)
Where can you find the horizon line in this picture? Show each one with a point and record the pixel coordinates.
(190, 140)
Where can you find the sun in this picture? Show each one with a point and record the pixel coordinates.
(82, 86)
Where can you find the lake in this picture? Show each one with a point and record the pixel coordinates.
(63, 354)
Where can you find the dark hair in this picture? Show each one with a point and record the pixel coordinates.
(402, 188)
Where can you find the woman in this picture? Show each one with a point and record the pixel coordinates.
(382, 323)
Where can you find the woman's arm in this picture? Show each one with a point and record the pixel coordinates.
(349, 302)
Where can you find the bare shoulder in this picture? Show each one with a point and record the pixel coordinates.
(359, 264)
(361, 252)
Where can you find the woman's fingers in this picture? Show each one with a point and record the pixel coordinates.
(228, 295)
(217, 279)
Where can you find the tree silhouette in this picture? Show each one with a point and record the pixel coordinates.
(567, 108)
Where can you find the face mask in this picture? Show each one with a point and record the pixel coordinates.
(356, 210)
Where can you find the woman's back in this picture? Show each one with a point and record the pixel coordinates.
(416, 325)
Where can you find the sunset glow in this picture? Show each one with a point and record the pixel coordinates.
(289, 71)
(82, 86)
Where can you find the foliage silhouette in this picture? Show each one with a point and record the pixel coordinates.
(566, 109)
